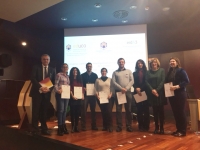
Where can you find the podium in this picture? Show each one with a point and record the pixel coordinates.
(194, 113)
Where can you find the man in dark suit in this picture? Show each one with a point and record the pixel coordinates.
(41, 95)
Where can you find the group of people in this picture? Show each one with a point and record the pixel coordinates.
(149, 81)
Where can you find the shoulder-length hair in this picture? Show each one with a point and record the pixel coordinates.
(152, 60)
(78, 77)
(144, 68)
(177, 61)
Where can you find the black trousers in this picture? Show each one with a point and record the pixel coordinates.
(177, 103)
(74, 113)
(40, 103)
(143, 115)
(158, 112)
(84, 105)
(106, 112)
(127, 105)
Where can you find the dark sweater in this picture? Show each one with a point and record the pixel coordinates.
(88, 78)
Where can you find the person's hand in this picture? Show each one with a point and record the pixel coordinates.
(154, 92)
(74, 98)
(44, 89)
(83, 97)
(172, 88)
(98, 97)
(138, 90)
(123, 90)
(59, 91)
(139, 93)
(109, 96)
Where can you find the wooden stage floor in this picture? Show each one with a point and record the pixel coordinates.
(103, 140)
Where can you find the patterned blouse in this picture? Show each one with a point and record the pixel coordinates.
(61, 79)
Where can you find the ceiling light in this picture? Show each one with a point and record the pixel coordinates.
(94, 20)
(166, 8)
(124, 21)
(24, 43)
(97, 5)
(133, 7)
(147, 8)
(63, 18)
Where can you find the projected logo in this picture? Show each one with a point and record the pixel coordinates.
(103, 45)
(68, 47)
(133, 42)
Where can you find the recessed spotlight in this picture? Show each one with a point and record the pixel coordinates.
(24, 43)
(94, 20)
(166, 9)
(63, 18)
(147, 8)
(124, 21)
(133, 7)
(97, 5)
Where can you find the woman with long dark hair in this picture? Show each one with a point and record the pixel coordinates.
(140, 86)
(179, 78)
(75, 103)
(155, 79)
(61, 79)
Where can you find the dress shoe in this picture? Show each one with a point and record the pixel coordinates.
(60, 130)
(179, 134)
(83, 129)
(64, 129)
(110, 130)
(94, 128)
(45, 133)
(129, 129)
(76, 129)
(161, 131)
(173, 133)
(156, 131)
(119, 129)
(104, 129)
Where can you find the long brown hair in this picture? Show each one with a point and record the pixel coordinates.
(177, 61)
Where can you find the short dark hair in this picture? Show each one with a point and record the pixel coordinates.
(64, 64)
(120, 59)
(103, 69)
(89, 63)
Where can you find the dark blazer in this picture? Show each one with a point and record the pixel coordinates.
(37, 76)
(181, 79)
(137, 84)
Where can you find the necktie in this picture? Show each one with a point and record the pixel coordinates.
(45, 72)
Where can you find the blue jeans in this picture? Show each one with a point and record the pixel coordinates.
(62, 105)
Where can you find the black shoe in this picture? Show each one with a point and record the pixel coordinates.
(76, 129)
(119, 129)
(104, 129)
(60, 130)
(94, 128)
(156, 131)
(64, 128)
(83, 129)
(174, 133)
(129, 129)
(161, 131)
(179, 134)
(35, 133)
(45, 132)
(110, 130)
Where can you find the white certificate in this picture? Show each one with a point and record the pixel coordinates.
(168, 92)
(121, 98)
(65, 92)
(103, 97)
(132, 89)
(141, 98)
(78, 92)
(90, 89)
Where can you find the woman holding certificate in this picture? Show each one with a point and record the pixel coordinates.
(179, 78)
(105, 100)
(155, 79)
(77, 94)
(140, 88)
(62, 103)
